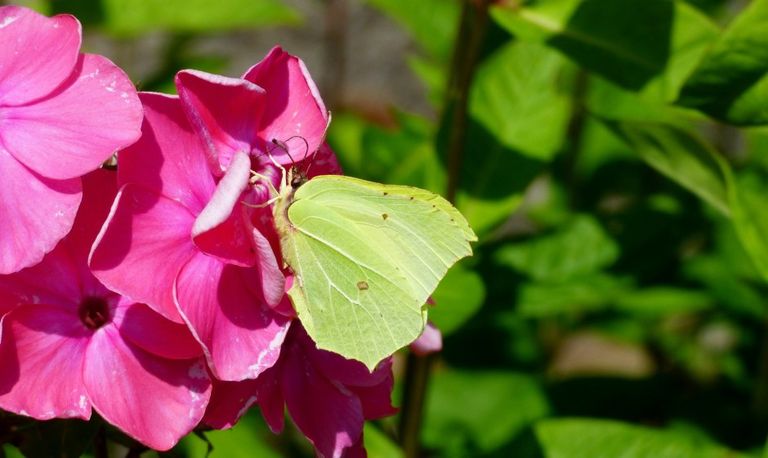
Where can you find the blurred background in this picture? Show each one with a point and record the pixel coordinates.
(610, 155)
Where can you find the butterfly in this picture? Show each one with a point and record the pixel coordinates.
(365, 257)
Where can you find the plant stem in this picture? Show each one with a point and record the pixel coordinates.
(99, 442)
(469, 42)
(467, 48)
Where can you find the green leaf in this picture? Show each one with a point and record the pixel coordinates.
(471, 412)
(629, 42)
(432, 23)
(750, 217)
(572, 296)
(403, 155)
(458, 298)
(493, 178)
(378, 444)
(366, 258)
(246, 439)
(731, 82)
(726, 287)
(515, 95)
(663, 300)
(10, 451)
(611, 439)
(581, 247)
(133, 17)
(681, 157)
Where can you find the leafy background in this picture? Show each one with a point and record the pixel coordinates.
(612, 155)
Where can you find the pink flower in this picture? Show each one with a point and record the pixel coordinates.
(70, 345)
(328, 397)
(62, 113)
(184, 235)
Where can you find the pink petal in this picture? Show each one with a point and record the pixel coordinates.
(330, 416)
(230, 401)
(225, 113)
(36, 213)
(147, 329)
(62, 277)
(377, 399)
(221, 229)
(270, 278)
(75, 129)
(41, 356)
(430, 341)
(240, 334)
(37, 54)
(294, 109)
(142, 246)
(169, 157)
(323, 162)
(99, 189)
(157, 401)
(53, 281)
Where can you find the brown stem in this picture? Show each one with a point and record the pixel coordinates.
(416, 379)
(467, 48)
(100, 449)
(469, 41)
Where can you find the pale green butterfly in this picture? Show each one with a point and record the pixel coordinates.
(365, 257)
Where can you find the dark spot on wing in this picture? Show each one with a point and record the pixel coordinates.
(386, 193)
(410, 198)
(362, 285)
(384, 216)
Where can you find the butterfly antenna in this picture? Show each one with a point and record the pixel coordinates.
(306, 150)
(283, 146)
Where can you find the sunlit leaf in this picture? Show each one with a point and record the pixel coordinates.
(517, 96)
(731, 82)
(664, 300)
(570, 297)
(379, 445)
(580, 247)
(130, 17)
(611, 439)
(629, 42)
(245, 439)
(463, 422)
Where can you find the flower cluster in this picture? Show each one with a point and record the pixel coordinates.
(156, 294)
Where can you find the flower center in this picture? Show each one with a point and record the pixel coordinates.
(93, 312)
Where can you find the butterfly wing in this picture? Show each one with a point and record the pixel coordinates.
(366, 258)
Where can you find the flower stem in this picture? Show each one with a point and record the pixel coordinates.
(468, 44)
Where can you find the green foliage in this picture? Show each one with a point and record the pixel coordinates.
(730, 82)
(580, 247)
(681, 157)
(246, 439)
(630, 42)
(458, 298)
(467, 422)
(518, 98)
(131, 17)
(610, 439)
